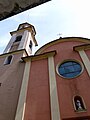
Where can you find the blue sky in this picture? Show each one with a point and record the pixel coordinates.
(66, 17)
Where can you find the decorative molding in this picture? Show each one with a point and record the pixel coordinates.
(39, 57)
(65, 39)
(82, 47)
(21, 30)
(14, 52)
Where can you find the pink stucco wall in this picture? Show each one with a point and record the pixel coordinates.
(38, 98)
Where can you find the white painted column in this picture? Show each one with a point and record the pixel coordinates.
(24, 39)
(10, 43)
(22, 98)
(55, 113)
(85, 60)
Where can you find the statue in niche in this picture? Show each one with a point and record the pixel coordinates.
(79, 105)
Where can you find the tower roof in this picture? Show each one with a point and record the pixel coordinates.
(26, 26)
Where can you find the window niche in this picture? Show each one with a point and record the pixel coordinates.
(30, 45)
(18, 38)
(8, 60)
(79, 104)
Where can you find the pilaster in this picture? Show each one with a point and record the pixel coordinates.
(55, 112)
(22, 97)
(85, 60)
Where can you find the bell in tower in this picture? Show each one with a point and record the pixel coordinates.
(22, 38)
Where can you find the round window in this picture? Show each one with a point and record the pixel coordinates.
(69, 69)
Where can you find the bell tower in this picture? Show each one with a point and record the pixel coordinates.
(22, 38)
(12, 68)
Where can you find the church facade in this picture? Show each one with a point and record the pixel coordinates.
(52, 84)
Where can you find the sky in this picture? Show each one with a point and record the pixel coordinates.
(65, 18)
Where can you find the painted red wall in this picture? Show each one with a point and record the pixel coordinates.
(67, 88)
(38, 100)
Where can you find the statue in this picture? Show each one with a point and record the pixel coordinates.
(78, 104)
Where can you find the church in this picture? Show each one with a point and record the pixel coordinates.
(52, 84)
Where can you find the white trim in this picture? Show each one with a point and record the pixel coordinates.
(85, 60)
(55, 113)
(22, 98)
(67, 60)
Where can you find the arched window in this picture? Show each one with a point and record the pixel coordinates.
(79, 103)
(30, 45)
(18, 38)
(8, 60)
